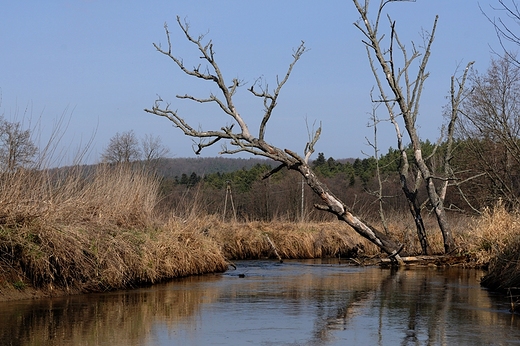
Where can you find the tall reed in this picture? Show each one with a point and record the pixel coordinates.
(499, 245)
(253, 240)
(93, 229)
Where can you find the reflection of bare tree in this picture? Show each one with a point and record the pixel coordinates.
(421, 298)
(436, 329)
(356, 301)
(424, 300)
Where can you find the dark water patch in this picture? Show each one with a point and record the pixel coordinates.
(295, 303)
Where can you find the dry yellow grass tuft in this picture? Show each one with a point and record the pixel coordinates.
(92, 230)
(252, 240)
(491, 233)
(498, 243)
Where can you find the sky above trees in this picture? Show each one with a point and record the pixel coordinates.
(92, 64)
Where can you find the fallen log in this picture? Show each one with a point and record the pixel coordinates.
(427, 260)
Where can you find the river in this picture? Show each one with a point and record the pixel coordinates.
(313, 302)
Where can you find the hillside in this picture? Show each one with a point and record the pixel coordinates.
(175, 167)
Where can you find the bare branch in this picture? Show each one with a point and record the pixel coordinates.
(314, 136)
(270, 100)
(208, 55)
(273, 171)
(503, 29)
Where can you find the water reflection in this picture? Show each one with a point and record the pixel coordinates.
(294, 303)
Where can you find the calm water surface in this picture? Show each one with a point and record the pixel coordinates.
(294, 303)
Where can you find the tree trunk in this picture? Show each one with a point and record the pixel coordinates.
(335, 206)
(411, 197)
(435, 200)
(415, 210)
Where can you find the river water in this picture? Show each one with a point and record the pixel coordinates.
(269, 303)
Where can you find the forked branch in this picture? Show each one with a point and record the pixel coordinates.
(270, 99)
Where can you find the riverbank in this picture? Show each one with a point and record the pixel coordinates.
(73, 259)
(99, 231)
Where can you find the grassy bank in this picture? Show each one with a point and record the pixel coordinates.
(502, 244)
(92, 231)
(99, 230)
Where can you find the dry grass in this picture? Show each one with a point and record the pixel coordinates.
(489, 234)
(250, 240)
(104, 195)
(90, 230)
(497, 235)
(94, 231)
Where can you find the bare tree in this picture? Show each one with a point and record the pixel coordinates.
(152, 148)
(504, 26)
(16, 147)
(122, 148)
(401, 94)
(458, 93)
(242, 140)
(490, 127)
(378, 194)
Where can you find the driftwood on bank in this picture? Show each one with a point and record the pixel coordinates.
(427, 260)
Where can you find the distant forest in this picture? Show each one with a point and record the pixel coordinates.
(177, 168)
(235, 188)
(201, 166)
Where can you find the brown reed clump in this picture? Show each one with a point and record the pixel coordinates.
(499, 246)
(117, 195)
(491, 234)
(253, 240)
(91, 230)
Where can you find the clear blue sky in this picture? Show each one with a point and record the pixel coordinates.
(93, 61)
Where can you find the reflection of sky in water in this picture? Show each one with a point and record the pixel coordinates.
(294, 303)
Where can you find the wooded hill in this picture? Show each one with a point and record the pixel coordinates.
(201, 166)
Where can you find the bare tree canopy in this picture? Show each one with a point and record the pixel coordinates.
(239, 137)
(506, 25)
(490, 123)
(152, 148)
(16, 147)
(122, 148)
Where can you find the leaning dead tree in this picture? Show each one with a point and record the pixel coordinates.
(240, 138)
(401, 91)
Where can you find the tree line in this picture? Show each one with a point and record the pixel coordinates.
(355, 181)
